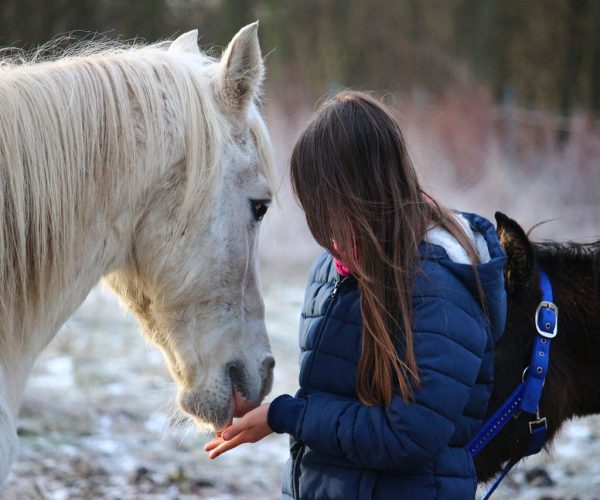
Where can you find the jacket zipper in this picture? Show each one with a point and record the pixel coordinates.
(336, 287)
(298, 458)
(332, 295)
(296, 472)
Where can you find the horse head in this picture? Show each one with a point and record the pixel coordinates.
(191, 274)
(570, 385)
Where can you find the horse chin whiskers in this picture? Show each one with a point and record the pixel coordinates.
(204, 427)
(209, 410)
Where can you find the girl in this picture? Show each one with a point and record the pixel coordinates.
(398, 327)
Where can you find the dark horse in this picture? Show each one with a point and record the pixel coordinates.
(572, 387)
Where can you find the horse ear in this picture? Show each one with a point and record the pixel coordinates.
(186, 43)
(241, 71)
(519, 252)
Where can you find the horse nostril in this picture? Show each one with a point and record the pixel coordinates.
(268, 364)
(266, 375)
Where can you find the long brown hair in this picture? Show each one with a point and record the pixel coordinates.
(352, 175)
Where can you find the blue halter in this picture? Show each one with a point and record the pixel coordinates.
(526, 396)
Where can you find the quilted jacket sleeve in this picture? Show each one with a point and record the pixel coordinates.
(403, 436)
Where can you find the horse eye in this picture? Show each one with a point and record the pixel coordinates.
(259, 208)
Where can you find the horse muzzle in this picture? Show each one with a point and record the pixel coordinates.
(214, 408)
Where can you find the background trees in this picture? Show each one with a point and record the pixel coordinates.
(542, 54)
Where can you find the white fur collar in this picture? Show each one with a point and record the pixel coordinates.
(456, 253)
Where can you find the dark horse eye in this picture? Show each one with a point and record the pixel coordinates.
(259, 208)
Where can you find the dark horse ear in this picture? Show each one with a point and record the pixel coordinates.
(519, 265)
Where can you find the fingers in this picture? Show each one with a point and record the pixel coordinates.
(249, 429)
(234, 429)
(226, 446)
(224, 436)
(213, 443)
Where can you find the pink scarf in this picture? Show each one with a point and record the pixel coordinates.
(341, 268)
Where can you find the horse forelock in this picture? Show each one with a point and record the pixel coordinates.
(73, 130)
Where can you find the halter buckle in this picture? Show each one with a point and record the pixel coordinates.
(539, 422)
(552, 307)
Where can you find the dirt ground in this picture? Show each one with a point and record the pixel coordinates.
(99, 421)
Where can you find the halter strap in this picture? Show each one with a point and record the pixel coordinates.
(526, 396)
(546, 323)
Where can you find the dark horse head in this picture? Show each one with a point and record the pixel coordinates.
(572, 385)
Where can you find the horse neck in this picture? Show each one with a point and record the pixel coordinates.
(103, 243)
(81, 149)
(104, 238)
(574, 270)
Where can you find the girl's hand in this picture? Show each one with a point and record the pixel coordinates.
(252, 427)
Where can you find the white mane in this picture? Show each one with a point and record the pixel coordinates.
(96, 121)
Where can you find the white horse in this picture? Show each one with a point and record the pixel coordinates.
(148, 166)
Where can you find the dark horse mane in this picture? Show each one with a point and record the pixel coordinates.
(572, 386)
(584, 256)
(569, 261)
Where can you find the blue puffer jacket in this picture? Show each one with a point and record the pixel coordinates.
(343, 449)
